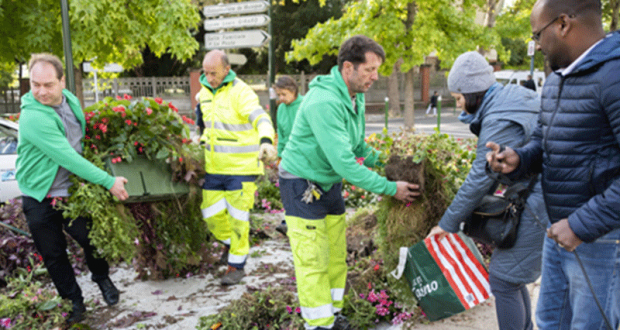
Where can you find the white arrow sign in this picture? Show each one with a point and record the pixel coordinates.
(237, 59)
(236, 22)
(236, 8)
(236, 39)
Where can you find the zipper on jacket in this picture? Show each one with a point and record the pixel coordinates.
(557, 107)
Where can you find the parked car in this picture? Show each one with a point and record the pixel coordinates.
(8, 156)
(519, 77)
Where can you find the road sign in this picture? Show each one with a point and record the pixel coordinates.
(236, 22)
(236, 8)
(237, 59)
(236, 39)
(110, 67)
(531, 47)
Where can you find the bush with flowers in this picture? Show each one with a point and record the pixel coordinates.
(167, 236)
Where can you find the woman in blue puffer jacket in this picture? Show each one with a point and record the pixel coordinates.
(506, 115)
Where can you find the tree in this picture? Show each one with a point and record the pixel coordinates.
(105, 31)
(408, 30)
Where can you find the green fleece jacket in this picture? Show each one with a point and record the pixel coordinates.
(286, 118)
(43, 147)
(327, 137)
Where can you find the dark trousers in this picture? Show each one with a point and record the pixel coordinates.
(46, 226)
(512, 304)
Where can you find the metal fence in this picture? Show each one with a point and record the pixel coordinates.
(9, 101)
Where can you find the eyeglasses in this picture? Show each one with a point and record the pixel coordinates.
(536, 35)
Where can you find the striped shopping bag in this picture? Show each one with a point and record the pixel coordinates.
(446, 276)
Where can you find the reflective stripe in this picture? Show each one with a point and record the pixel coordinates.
(337, 294)
(227, 242)
(256, 113)
(229, 127)
(234, 149)
(237, 213)
(263, 120)
(336, 309)
(235, 82)
(315, 313)
(214, 209)
(235, 259)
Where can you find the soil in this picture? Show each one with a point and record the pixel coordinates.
(404, 169)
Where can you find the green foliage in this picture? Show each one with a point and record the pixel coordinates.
(437, 26)
(446, 162)
(268, 191)
(28, 304)
(106, 31)
(270, 308)
(167, 237)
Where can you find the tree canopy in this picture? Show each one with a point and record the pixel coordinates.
(104, 30)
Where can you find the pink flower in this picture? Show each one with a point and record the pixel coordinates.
(118, 97)
(289, 309)
(128, 122)
(135, 143)
(127, 97)
(297, 310)
(149, 111)
(173, 107)
(159, 100)
(5, 322)
(103, 127)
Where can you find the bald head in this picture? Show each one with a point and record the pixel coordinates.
(216, 67)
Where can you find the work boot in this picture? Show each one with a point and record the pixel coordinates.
(341, 323)
(232, 276)
(77, 314)
(224, 257)
(109, 291)
(282, 228)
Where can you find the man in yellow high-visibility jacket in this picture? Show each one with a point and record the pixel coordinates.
(237, 135)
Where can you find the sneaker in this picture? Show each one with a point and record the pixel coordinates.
(341, 323)
(109, 291)
(232, 276)
(282, 228)
(77, 314)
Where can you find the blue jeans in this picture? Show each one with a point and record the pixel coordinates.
(512, 304)
(565, 300)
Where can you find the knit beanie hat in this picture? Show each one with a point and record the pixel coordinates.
(471, 73)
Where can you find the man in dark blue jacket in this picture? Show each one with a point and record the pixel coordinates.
(577, 148)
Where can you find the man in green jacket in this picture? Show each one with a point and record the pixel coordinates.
(328, 135)
(51, 128)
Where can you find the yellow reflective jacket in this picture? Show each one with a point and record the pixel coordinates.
(234, 123)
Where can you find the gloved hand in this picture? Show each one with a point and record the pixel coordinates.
(267, 153)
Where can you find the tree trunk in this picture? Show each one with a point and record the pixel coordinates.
(615, 10)
(491, 14)
(393, 90)
(79, 91)
(409, 100)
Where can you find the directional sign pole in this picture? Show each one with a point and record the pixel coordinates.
(272, 74)
(66, 41)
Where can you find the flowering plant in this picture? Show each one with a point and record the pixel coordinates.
(120, 130)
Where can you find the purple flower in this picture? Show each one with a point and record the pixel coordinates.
(383, 311)
(289, 309)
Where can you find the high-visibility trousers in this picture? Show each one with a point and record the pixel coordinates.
(227, 213)
(316, 232)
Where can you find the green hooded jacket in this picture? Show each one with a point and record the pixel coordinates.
(43, 147)
(285, 119)
(327, 137)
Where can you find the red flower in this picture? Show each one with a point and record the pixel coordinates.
(377, 267)
(159, 100)
(181, 159)
(103, 127)
(149, 111)
(127, 97)
(173, 107)
(118, 97)
(128, 122)
(135, 143)
(97, 137)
